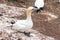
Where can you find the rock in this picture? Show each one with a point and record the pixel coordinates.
(11, 11)
(50, 16)
(8, 34)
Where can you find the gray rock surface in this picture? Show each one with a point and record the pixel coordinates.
(6, 33)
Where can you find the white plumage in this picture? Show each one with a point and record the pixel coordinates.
(39, 3)
(24, 24)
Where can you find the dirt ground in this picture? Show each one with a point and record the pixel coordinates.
(51, 28)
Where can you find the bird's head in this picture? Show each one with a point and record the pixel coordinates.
(30, 10)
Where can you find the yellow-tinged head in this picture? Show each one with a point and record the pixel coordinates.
(30, 10)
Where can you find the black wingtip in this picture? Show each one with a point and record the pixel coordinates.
(12, 22)
(1, 14)
(42, 8)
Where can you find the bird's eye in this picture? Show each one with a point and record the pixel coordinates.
(33, 9)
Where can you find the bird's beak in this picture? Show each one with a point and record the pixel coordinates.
(34, 9)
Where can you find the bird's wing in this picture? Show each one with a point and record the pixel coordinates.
(20, 24)
(39, 3)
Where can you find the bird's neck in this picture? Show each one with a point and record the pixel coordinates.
(29, 16)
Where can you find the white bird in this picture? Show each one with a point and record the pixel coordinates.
(39, 4)
(24, 25)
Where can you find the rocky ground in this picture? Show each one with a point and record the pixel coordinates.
(44, 23)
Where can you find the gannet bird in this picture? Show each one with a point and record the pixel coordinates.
(58, 1)
(24, 25)
(39, 4)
